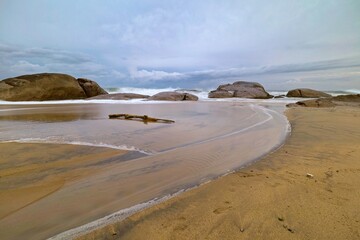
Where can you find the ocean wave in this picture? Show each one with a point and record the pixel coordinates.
(144, 91)
(353, 91)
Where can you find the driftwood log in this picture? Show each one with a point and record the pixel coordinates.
(144, 118)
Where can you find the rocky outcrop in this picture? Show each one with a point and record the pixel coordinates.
(306, 93)
(120, 96)
(173, 96)
(240, 89)
(342, 100)
(91, 88)
(351, 98)
(47, 86)
(221, 94)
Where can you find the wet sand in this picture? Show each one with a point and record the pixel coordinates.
(308, 189)
(31, 172)
(83, 183)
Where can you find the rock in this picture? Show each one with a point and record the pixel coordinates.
(320, 102)
(40, 87)
(220, 94)
(120, 96)
(306, 93)
(240, 89)
(353, 98)
(91, 88)
(280, 96)
(45, 86)
(341, 100)
(174, 96)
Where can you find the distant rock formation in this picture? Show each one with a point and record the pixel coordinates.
(342, 100)
(174, 96)
(120, 96)
(47, 86)
(240, 89)
(91, 88)
(306, 93)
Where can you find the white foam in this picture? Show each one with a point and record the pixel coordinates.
(143, 91)
(353, 91)
(52, 140)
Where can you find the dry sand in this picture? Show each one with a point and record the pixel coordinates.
(274, 198)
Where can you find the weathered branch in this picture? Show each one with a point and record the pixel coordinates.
(144, 118)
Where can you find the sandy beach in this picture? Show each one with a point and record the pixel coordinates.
(307, 189)
(67, 165)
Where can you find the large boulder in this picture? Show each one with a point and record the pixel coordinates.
(46, 86)
(91, 88)
(174, 96)
(342, 100)
(240, 89)
(120, 96)
(306, 93)
(220, 94)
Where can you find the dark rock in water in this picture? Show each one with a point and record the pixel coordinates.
(280, 96)
(174, 96)
(240, 89)
(120, 96)
(342, 100)
(45, 86)
(91, 88)
(306, 93)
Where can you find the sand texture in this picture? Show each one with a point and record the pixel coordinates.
(32, 172)
(308, 189)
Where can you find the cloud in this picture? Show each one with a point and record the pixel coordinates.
(15, 61)
(43, 55)
(24, 67)
(145, 75)
(277, 69)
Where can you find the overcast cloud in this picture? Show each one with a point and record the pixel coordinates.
(281, 44)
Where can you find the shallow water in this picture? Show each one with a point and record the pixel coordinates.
(207, 140)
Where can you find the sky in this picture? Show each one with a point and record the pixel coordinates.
(282, 44)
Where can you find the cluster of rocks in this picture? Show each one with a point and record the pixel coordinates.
(55, 86)
(48, 86)
(341, 100)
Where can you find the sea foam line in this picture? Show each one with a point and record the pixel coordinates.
(79, 143)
